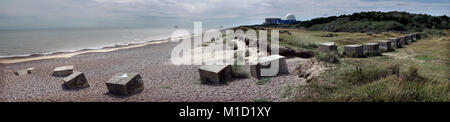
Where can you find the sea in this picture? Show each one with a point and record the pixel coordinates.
(26, 42)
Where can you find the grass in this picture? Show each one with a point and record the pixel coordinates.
(327, 57)
(424, 57)
(416, 73)
(262, 81)
(261, 100)
(287, 91)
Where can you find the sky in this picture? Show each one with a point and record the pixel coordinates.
(21, 14)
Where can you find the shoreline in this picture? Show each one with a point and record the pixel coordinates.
(43, 56)
(67, 54)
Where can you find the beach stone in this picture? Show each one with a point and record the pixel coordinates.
(216, 74)
(125, 83)
(371, 49)
(354, 51)
(63, 70)
(395, 42)
(266, 62)
(76, 80)
(327, 47)
(385, 45)
(24, 71)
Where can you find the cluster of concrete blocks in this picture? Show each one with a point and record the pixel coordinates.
(219, 74)
(73, 79)
(371, 49)
(121, 83)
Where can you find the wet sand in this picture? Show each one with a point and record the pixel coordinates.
(163, 81)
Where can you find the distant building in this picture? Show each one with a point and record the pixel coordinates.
(289, 19)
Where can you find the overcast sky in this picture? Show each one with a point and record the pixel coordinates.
(168, 13)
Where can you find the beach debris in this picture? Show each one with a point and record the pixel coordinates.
(355, 51)
(76, 80)
(266, 63)
(395, 42)
(371, 49)
(327, 47)
(216, 74)
(63, 71)
(24, 71)
(125, 84)
(385, 46)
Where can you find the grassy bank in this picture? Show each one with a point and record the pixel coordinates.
(418, 72)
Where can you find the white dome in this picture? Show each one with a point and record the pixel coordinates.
(290, 17)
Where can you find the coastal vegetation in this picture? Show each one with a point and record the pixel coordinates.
(372, 22)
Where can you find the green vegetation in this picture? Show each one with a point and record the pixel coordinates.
(261, 100)
(262, 81)
(327, 57)
(238, 71)
(373, 22)
(418, 72)
(287, 91)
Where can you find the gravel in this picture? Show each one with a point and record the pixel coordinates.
(163, 81)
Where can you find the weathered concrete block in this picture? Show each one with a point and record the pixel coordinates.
(354, 51)
(216, 74)
(385, 45)
(327, 47)
(417, 35)
(371, 49)
(76, 80)
(125, 83)
(408, 38)
(63, 71)
(395, 42)
(24, 71)
(266, 63)
(414, 37)
(402, 40)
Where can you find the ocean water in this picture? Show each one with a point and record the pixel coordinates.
(46, 41)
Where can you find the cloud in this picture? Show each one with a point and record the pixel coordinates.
(166, 13)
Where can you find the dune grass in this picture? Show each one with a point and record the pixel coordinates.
(416, 73)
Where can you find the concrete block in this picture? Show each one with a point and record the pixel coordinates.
(354, 51)
(265, 63)
(76, 80)
(371, 49)
(24, 71)
(327, 47)
(63, 71)
(385, 45)
(408, 38)
(216, 74)
(414, 37)
(402, 40)
(125, 83)
(395, 42)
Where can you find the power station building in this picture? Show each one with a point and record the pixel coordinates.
(289, 19)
